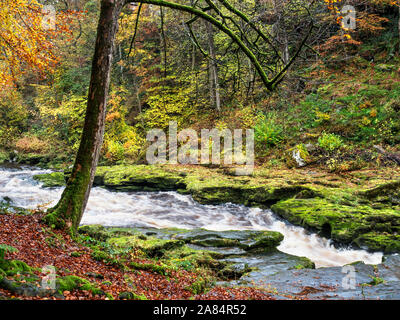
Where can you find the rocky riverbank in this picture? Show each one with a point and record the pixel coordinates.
(210, 264)
(361, 209)
(124, 264)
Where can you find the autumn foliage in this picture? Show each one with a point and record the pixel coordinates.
(27, 42)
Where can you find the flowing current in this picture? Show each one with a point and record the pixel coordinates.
(170, 209)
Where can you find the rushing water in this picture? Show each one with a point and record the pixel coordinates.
(170, 209)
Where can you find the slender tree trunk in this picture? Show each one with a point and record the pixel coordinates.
(69, 210)
(279, 29)
(215, 98)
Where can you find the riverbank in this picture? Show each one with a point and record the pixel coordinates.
(225, 260)
(360, 209)
(114, 264)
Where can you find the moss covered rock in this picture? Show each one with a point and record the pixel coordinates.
(51, 180)
(153, 247)
(266, 242)
(96, 231)
(70, 283)
(343, 223)
(141, 177)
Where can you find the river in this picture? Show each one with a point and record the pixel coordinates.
(173, 210)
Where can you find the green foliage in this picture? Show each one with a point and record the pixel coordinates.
(330, 141)
(268, 132)
(121, 141)
(66, 119)
(73, 81)
(6, 248)
(70, 283)
(169, 104)
(13, 112)
(8, 137)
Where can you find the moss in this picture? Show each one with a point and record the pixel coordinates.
(233, 271)
(160, 269)
(135, 178)
(266, 242)
(219, 242)
(376, 280)
(50, 180)
(12, 267)
(343, 223)
(102, 256)
(199, 286)
(97, 232)
(304, 263)
(151, 246)
(191, 259)
(70, 283)
(76, 254)
(386, 192)
(34, 159)
(389, 243)
(131, 296)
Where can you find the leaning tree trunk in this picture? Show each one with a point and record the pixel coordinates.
(69, 210)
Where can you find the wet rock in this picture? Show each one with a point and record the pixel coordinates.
(268, 241)
(126, 296)
(234, 271)
(247, 240)
(27, 289)
(216, 242)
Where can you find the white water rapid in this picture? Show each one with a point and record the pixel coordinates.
(170, 209)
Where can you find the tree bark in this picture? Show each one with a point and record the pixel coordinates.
(69, 210)
(279, 28)
(215, 98)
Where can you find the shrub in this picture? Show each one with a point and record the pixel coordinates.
(7, 137)
(31, 144)
(115, 151)
(330, 141)
(268, 132)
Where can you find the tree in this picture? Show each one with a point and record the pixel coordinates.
(69, 210)
(24, 41)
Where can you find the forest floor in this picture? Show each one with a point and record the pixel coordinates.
(84, 272)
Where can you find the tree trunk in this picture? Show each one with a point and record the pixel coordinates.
(215, 98)
(69, 210)
(279, 30)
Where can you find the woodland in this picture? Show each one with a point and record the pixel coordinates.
(83, 82)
